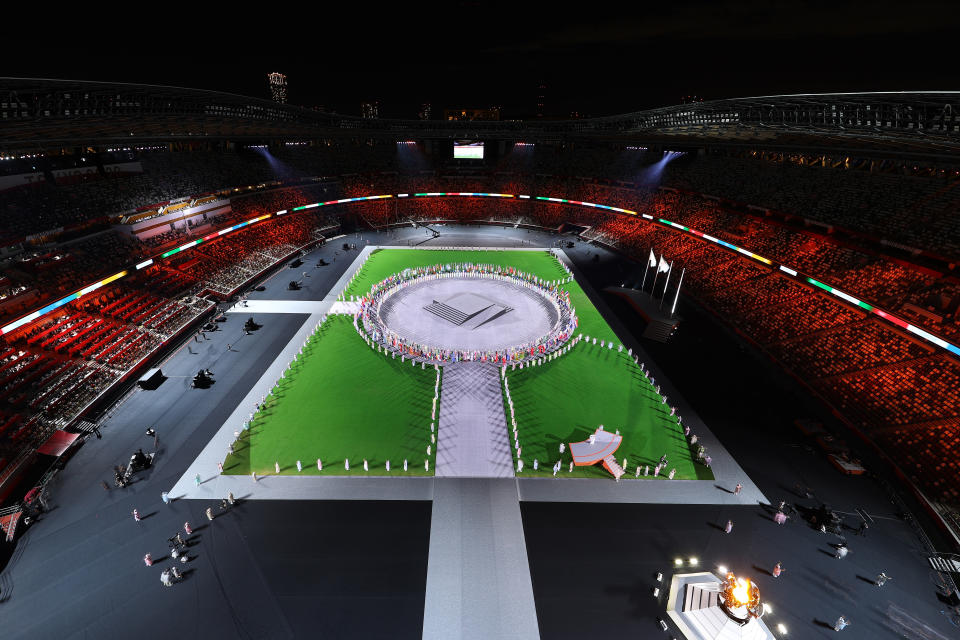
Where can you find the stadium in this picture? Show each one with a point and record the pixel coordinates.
(271, 372)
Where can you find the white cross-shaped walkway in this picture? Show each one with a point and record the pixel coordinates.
(478, 576)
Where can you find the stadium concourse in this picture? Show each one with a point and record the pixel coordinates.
(461, 557)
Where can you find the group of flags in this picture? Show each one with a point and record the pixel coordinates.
(662, 266)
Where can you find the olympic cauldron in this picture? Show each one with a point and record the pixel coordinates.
(705, 606)
(740, 599)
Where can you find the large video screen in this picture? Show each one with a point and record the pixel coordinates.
(468, 150)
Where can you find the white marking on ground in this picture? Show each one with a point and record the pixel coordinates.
(281, 306)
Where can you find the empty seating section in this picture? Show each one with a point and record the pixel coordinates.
(915, 392)
(228, 263)
(245, 207)
(917, 211)
(53, 368)
(871, 277)
(935, 306)
(809, 312)
(885, 201)
(847, 349)
(49, 274)
(931, 452)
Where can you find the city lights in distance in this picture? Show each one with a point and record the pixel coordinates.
(25, 156)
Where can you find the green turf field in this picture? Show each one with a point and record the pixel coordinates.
(386, 262)
(343, 400)
(566, 399)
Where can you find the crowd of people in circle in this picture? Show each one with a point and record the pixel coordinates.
(369, 322)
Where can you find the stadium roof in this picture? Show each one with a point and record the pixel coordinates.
(41, 113)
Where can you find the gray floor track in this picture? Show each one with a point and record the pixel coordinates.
(478, 577)
(472, 434)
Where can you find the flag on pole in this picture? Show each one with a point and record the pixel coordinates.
(662, 267)
(677, 294)
(651, 262)
(666, 284)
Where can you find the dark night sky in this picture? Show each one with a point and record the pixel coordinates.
(595, 58)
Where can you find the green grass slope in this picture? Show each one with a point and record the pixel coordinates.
(342, 400)
(567, 399)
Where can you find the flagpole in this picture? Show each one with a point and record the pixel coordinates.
(674, 307)
(666, 285)
(647, 263)
(655, 276)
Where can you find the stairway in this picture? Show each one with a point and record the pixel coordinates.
(945, 565)
(658, 331)
(448, 313)
(611, 465)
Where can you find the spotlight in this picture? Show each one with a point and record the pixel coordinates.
(767, 608)
(721, 569)
(678, 562)
(694, 562)
(656, 592)
(781, 628)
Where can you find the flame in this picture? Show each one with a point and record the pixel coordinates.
(741, 592)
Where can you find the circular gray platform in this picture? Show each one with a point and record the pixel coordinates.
(470, 314)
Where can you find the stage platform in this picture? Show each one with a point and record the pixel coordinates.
(660, 324)
(602, 444)
(694, 606)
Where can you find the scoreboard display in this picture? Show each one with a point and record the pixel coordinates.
(468, 150)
